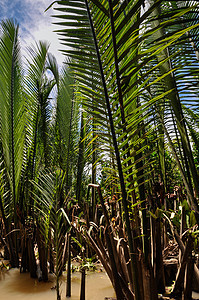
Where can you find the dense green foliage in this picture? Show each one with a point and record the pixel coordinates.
(125, 119)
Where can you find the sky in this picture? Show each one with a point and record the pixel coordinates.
(35, 24)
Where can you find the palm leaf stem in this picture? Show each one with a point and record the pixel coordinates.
(68, 151)
(81, 162)
(35, 145)
(3, 213)
(32, 161)
(117, 154)
(188, 175)
(12, 122)
(120, 95)
(140, 164)
(177, 138)
(93, 175)
(161, 152)
(140, 179)
(13, 66)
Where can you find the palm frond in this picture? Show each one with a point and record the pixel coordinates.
(12, 121)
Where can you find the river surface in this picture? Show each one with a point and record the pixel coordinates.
(16, 286)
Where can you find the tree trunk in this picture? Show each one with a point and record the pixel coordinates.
(188, 279)
(83, 285)
(42, 255)
(32, 259)
(159, 268)
(178, 286)
(68, 282)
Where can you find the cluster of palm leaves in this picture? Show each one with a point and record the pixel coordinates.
(125, 116)
(38, 133)
(136, 66)
(45, 151)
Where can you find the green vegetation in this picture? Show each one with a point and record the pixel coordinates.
(108, 166)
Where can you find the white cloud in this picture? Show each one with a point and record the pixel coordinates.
(35, 23)
(44, 32)
(38, 25)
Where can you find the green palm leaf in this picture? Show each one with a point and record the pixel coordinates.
(12, 121)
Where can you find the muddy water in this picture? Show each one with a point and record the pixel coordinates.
(16, 286)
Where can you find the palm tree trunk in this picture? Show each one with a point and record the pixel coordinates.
(68, 282)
